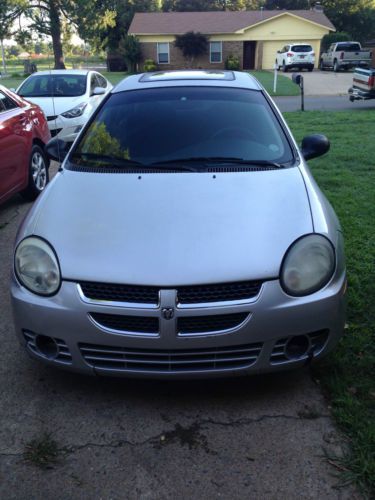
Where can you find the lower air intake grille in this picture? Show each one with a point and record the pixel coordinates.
(136, 324)
(63, 355)
(123, 359)
(55, 131)
(218, 292)
(120, 293)
(317, 342)
(206, 324)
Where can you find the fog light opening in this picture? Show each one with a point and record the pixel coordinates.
(297, 347)
(47, 346)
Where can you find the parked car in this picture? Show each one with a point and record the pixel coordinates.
(67, 97)
(363, 85)
(344, 55)
(184, 237)
(23, 135)
(295, 55)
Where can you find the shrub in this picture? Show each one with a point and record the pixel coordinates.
(192, 45)
(149, 65)
(232, 62)
(333, 38)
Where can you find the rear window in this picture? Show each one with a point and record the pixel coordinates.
(301, 48)
(349, 47)
(163, 124)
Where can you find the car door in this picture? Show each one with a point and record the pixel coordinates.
(15, 139)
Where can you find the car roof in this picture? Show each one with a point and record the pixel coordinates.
(209, 78)
(63, 72)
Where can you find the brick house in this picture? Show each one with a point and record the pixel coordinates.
(252, 36)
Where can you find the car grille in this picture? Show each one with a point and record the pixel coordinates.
(63, 356)
(218, 292)
(168, 361)
(317, 341)
(207, 324)
(120, 293)
(136, 324)
(55, 131)
(194, 294)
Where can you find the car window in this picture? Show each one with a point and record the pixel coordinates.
(163, 124)
(53, 85)
(301, 48)
(349, 47)
(102, 82)
(6, 103)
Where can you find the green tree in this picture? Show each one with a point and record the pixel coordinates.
(287, 4)
(9, 10)
(131, 50)
(192, 45)
(356, 17)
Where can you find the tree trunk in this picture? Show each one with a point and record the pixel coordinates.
(56, 35)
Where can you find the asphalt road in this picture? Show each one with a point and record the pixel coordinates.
(259, 437)
(323, 103)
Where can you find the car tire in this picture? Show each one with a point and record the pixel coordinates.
(336, 67)
(285, 69)
(321, 65)
(38, 173)
(310, 68)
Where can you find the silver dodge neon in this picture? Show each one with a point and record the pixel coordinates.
(184, 236)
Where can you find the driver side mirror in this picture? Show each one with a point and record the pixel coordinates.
(57, 149)
(314, 145)
(98, 91)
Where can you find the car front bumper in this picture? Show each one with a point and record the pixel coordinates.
(66, 129)
(260, 342)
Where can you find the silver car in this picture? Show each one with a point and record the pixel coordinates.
(184, 236)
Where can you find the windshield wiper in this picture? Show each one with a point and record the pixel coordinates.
(222, 160)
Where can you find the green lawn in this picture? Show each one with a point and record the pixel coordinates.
(347, 176)
(285, 86)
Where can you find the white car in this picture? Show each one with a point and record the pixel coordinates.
(295, 55)
(67, 98)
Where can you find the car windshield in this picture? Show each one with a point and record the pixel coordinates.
(162, 125)
(53, 85)
(302, 48)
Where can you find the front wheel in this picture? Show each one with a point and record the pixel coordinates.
(321, 66)
(38, 173)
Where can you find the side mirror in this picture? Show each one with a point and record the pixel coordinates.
(98, 91)
(314, 146)
(57, 149)
(12, 89)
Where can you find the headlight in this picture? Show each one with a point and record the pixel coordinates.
(308, 265)
(74, 112)
(36, 266)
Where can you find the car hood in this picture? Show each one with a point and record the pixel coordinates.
(57, 105)
(171, 229)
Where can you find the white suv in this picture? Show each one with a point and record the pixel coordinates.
(295, 55)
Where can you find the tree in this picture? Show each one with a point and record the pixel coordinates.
(131, 50)
(205, 5)
(8, 13)
(192, 45)
(356, 17)
(287, 4)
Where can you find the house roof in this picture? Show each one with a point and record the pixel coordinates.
(176, 23)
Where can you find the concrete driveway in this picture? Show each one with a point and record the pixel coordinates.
(325, 83)
(258, 438)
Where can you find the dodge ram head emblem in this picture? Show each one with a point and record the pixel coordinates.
(167, 312)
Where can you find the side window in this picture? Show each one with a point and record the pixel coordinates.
(163, 53)
(216, 50)
(94, 83)
(101, 81)
(6, 103)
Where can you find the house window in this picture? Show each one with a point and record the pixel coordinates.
(163, 53)
(216, 52)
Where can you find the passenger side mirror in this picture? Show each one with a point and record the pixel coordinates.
(57, 149)
(98, 91)
(314, 146)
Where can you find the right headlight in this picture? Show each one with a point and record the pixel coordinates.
(308, 265)
(36, 266)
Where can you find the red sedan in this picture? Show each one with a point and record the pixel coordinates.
(23, 135)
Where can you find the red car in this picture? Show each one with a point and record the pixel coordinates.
(23, 135)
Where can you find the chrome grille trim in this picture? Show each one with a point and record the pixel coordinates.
(170, 361)
(143, 326)
(112, 303)
(211, 325)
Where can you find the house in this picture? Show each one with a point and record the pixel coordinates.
(252, 36)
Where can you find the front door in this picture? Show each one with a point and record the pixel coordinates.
(249, 55)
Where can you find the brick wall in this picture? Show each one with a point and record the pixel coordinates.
(177, 60)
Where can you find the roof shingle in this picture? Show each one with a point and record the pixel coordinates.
(176, 23)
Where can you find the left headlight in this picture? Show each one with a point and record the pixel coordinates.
(36, 266)
(74, 112)
(308, 265)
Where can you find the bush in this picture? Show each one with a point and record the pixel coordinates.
(333, 38)
(149, 65)
(232, 63)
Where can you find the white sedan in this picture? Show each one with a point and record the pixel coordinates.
(67, 98)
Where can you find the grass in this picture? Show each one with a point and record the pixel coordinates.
(42, 452)
(347, 176)
(285, 86)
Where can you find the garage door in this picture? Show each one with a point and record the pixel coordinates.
(269, 53)
(270, 49)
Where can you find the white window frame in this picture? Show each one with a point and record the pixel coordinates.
(157, 52)
(221, 52)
